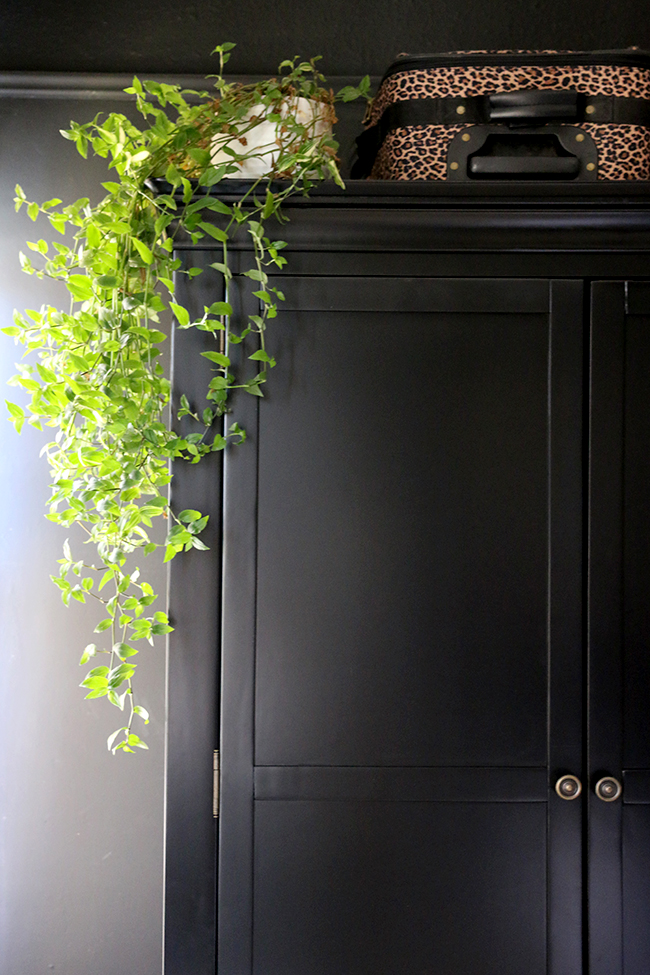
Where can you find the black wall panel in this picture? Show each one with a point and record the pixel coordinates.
(360, 37)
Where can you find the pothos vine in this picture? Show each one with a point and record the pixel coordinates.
(97, 379)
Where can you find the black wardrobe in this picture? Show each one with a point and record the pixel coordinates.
(420, 642)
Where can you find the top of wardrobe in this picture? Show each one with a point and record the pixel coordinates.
(438, 194)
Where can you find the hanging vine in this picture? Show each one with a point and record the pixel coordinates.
(92, 370)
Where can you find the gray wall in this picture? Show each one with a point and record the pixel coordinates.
(80, 830)
(81, 871)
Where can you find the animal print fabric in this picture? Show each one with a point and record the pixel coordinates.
(419, 152)
(415, 152)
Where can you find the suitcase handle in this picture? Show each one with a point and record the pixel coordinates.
(544, 152)
(563, 167)
(536, 107)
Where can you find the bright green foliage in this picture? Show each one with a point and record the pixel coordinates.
(93, 375)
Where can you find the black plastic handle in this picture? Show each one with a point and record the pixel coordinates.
(533, 106)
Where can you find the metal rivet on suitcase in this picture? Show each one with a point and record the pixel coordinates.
(580, 137)
(460, 109)
(590, 109)
(466, 137)
(591, 167)
(453, 165)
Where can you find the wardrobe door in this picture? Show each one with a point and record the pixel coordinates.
(402, 681)
(619, 658)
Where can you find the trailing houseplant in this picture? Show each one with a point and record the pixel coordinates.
(93, 370)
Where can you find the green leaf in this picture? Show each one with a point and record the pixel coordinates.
(269, 205)
(218, 206)
(80, 287)
(58, 222)
(182, 315)
(137, 742)
(124, 650)
(98, 672)
(220, 308)
(142, 250)
(103, 625)
(117, 699)
(17, 415)
(223, 268)
(197, 543)
(256, 275)
(119, 227)
(111, 738)
(120, 674)
(159, 628)
(109, 574)
(172, 175)
(221, 360)
(213, 231)
(189, 515)
(20, 197)
(95, 684)
(262, 356)
(89, 652)
(141, 712)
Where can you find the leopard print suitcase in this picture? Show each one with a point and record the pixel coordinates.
(510, 115)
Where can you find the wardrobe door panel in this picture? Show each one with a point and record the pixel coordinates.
(402, 634)
(402, 539)
(636, 633)
(376, 888)
(619, 674)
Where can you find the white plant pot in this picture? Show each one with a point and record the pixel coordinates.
(261, 139)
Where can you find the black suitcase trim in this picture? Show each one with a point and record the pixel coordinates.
(424, 62)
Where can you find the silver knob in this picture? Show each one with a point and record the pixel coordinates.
(568, 787)
(608, 788)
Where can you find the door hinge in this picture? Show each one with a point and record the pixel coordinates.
(215, 784)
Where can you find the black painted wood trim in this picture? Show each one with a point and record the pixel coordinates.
(80, 84)
(507, 194)
(565, 635)
(605, 622)
(636, 787)
(193, 670)
(235, 877)
(638, 298)
(404, 294)
(459, 225)
(401, 784)
(466, 264)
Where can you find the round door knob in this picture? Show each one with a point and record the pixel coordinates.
(608, 788)
(568, 787)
